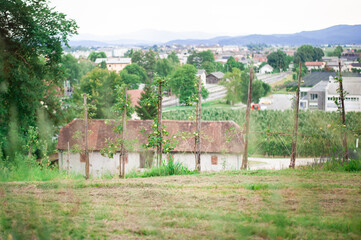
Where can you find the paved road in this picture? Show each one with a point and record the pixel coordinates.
(276, 163)
(277, 102)
(215, 92)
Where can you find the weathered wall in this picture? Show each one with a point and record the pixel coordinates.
(100, 165)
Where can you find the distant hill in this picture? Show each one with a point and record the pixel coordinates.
(340, 34)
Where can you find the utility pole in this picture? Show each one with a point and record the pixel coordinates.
(295, 129)
(246, 123)
(160, 127)
(124, 126)
(198, 136)
(86, 138)
(343, 114)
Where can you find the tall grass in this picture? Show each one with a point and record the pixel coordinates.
(25, 168)
(166, 169)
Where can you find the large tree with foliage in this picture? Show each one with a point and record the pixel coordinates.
(94, 55)
(146, 60)
(308, 53)
(184, 84)
(237, 87)
(232, 63)
(31, 38)
(133, 75)
(197, 59)
(99, 85)
(278, 60)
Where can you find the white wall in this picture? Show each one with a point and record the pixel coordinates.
(100, 165)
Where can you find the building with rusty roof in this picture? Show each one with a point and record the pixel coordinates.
(221, 145)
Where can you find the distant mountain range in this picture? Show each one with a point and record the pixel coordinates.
(339, 34)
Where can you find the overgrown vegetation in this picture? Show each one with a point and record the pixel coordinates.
(271, 131)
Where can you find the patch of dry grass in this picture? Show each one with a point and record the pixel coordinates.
(236, 205)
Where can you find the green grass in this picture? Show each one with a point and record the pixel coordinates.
(262, 204)
(218, 103)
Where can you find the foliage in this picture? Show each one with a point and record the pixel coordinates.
(165, 67)
(132, 75)
(237, 87)
(184, 84)
(337, 52)
(94, 55)
(145, 60)
(31, 38)
(232, 63)
(278, 60)
(308, 53)
(122, 102)
(166, 169)
(256, 46)
(197, 59)
(100, 87)
(173, 57)
(147, 108)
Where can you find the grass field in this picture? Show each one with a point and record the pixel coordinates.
(234, 205)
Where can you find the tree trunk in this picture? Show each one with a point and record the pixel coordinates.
(86, 138)
(343, 115)
(246, 123)
(295, 128)
(124, 126)
(160, 127)
(198, 137)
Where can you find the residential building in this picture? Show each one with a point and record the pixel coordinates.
(222, 146)
(202, 74)
(214, 78)
(315, 97)
(314, 65)
(266, 69)
(114, 64)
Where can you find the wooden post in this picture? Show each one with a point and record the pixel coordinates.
(295, 128)
(343, 114)
(198, 137)
(124, 126)
(68, 159)
(160, 127)
(86, 138)
(246, 123)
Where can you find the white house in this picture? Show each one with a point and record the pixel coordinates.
(266, 69)
(352, 85)
(202, 74)
(221, 145)
(114, 64)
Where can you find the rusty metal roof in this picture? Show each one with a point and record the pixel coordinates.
(217, 136)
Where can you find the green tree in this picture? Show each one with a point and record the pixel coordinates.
(164, 67)
(147, 108)
(197, 59)
(133, 75)
(31, 38)
(173, 57)
(307, 53)
(145, 60)
(94, 55)
(71, 68)
(337, 52)
(184, 84)
(232, 63)
(278, 60)
(209, 67)
(99, 85)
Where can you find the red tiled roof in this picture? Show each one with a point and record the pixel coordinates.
(134, 96)
(314, 63)
(217, 136)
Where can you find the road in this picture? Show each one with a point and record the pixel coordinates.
(277, 102)
(215, 92)
(276, 163)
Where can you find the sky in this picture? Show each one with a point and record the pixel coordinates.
(215, 17)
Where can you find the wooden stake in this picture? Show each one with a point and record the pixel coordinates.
(343, 114)
(124, 126)
(198, 137)
(86, 138)
(160, 127)
(246, 123)
(295, 128)
(68, 159)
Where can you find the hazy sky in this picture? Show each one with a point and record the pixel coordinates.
(231, 17)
